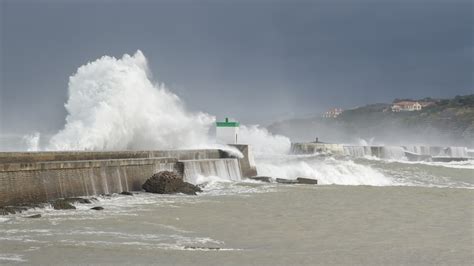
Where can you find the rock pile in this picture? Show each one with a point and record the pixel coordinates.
(266, 179)
(299, 180)
(167, 182)
(66, 204)
(62, 204)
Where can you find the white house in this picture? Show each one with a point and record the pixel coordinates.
(333, 113)
(406, 106)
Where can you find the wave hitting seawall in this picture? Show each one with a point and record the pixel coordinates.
(40, 177)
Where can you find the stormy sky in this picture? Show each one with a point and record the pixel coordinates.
(256, 61)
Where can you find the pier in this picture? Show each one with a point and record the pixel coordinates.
(36, 177)
(410, 153)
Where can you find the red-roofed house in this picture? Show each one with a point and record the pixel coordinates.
(333, 113)
(406, 106)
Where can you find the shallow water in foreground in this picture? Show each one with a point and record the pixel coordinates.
(253, 223)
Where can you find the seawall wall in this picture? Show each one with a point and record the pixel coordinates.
(247, 162)
(22, 183)
(34, 177)
(315, 147)
(30, 157)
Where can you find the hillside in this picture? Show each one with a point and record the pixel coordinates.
(446, 122)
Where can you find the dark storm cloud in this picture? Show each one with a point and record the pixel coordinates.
(254, 61)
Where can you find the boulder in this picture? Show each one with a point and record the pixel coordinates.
(34, 216)
(78, 200)
(7, 210)
(98, 208)
(126, 193)
(62, 204)
(167, 182)
(303, 180)
(262, 178)
(201, 248)
(286, 181)
(18, 209)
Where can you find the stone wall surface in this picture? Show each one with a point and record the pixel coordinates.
(44, 181)
(247, 164)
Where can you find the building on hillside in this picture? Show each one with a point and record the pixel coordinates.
(227, 132)
(406, 106)
(426, 103)
(333, 113)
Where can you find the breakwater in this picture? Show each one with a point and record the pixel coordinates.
(411, 153)
(34, 177)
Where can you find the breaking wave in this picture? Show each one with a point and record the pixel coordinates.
(263, 142)
(114, 105)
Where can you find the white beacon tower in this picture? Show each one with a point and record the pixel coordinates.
(227, 132)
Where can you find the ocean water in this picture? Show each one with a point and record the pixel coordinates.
(368, 212)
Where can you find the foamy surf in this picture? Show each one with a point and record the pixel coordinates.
(78, 228)
(9, 258)
(326, 171)
(217, 186)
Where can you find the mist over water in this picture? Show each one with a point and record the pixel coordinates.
(263, 142)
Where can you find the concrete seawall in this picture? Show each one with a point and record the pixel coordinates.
(316, 147)
(412, 153)
(34, 177)
(44, 181)
(26, 157)
(247, 163)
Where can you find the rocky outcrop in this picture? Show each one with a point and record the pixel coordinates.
(261, 178)
(11, 210)
(58, 204)
(66, 204)
(126, 193)
(98, 208)
(166, 182)
(19, 209)
(286, 181)
(303, 180)
(34, 216)
(62, 204)
(78, 200)
(299, 180)
(201, 248)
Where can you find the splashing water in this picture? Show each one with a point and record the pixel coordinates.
(32, 141)
(263, 142)
(363, 142)
(114, 105)
(327, 171)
